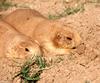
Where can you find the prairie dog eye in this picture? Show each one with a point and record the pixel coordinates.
(26, 49)
(68, 38)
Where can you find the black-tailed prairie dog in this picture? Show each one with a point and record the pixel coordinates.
(55, 37)
(16, 45)
(52, 36)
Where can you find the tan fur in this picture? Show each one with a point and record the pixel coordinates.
(15, 45)
(24, 20)
(52, 36)
(56, 38)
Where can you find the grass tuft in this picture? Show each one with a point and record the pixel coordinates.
(4, 5)
(40, 62)
(25, 71)
(68, 11)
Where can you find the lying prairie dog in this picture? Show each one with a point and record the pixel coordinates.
(24, 20)
(56, 38)
(16, 45)
(52, 36)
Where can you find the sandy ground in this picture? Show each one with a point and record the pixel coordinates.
(83, 65)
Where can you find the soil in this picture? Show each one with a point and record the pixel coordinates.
(83, 64)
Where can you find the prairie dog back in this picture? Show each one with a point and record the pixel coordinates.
(24, 20)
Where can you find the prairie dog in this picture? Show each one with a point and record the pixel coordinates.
(55, 37)
(16, 45)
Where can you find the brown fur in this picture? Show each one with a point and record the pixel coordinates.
(52, 36)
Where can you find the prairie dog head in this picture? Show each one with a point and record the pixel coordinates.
(66, 38)
(56, 37)
(62, 40)
(22, 47)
